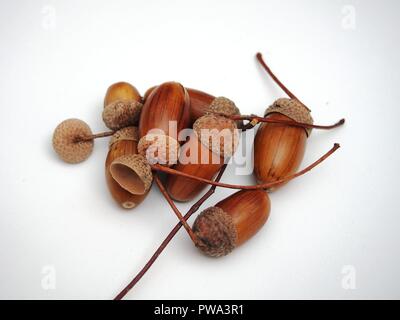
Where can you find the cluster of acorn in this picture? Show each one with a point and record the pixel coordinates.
(142, 146)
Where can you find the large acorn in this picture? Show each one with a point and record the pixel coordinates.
(165, 113)
(202, 103)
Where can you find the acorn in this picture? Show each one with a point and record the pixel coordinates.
(279, 149)
(213, 141)
(202, 103)
(122, 106)
(231, 222)
(69, 141)
(165, 113)
(123, 143)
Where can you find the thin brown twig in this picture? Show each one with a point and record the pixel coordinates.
(95, 136)
(158, 167)
(175, 209)
(253, 118)
(170, 236)
(275, 78)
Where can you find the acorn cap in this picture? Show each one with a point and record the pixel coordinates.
(122, 113)
(293, 109)
(132, 173)
(66, 141)
(223, 105)
(217, 133)
(159, 148)
(216, 232)
(127, 133)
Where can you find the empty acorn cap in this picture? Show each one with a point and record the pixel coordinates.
(216, 232)
(122, 113)
(127, 133)
(293, 109)
(66, 141)
(132, 173)
(217, 133)
(159, 148)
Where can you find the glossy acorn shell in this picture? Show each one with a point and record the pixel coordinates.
(278, 150)
(184, 189)
(121, 91)
(167, 102)
(199, 102)
(249, 210)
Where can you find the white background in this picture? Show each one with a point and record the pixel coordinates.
(57, 59)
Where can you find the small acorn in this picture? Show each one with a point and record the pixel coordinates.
(69, 143)
(231, 222)
(122, 143)
(165, 109)
(213, 141)
(122, 106)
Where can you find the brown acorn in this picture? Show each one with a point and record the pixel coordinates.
(165, 108)
(123, 143)
(122, 106)
(278, 148)
(213, 141)
(231, 222)
(202, 103)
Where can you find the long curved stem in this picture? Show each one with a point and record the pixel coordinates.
(286, 122)
(158, 167)
(170, 236)
(275, 78)
(175, 209)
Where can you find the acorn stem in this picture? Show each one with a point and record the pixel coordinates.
(254, 119)
(175, 209)
(277, 81)
(95, 136)
(158, 167)
(170, 236)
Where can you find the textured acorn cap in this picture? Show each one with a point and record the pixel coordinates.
(216, 232)
(122, 113)
(159, 148)
(132, 173)
(66, 141)
(223, 105)
(293, 109)
(127, 133)
(217, 133)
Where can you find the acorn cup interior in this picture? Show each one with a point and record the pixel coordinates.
(132, 173)
(127, 178)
